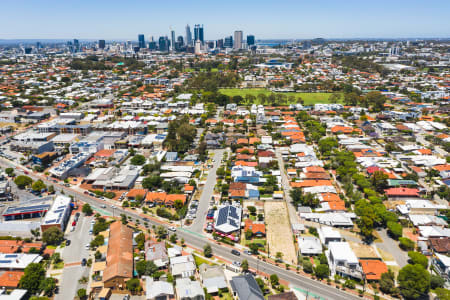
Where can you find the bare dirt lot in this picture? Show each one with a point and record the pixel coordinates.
(279, 232)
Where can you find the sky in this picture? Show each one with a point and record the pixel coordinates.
(266, 19)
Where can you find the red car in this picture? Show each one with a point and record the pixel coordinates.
(74, 223)
(25, 172)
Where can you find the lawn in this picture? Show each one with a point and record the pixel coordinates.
(199, 261)
(308, 98)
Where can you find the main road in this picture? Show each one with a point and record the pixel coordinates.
(199, 241)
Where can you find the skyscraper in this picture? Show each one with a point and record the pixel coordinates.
(141, 41)
(219, 44)
(238, 39)
(228, 42)
(188, 35)
(76, 45)
(199, 33)
(101, 44)
(250, 40)
(163, 44)
(172, 40)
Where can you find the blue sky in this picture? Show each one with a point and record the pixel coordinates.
(101, 19)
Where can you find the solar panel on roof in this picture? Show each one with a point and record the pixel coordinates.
(5, 261)
(11, 255)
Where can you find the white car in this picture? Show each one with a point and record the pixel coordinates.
(87, 247)
(171, 228)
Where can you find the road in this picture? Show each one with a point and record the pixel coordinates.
(293, 216)
(391, 246)
(208, 189)
(72, 255)
(197, 240)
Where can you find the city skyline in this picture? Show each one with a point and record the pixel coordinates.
(294, 20)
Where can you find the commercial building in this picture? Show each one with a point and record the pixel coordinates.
(62, 170)
(58, 214)
(141, 41)
(119, 259)
(238, 36)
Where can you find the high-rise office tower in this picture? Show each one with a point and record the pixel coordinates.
(76, 45)
(228, 42)
(141, 41)
(238, 39)
(250, 40)
(199, 34)
(219, 44)
(172, 34)
(163, 44)
(188, 35)
(101, 44)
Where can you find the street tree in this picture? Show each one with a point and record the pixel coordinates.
(413, 281)
(207, 250)
(52, 236)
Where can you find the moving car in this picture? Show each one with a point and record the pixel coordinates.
(235, 252)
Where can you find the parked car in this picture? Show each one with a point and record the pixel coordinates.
(83, 262)
(236, 263)
(171, 228)
(248, 252)
(74, 223)
(235, 252)
(87, 246)
(67, 243)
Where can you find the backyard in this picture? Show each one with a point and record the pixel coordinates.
(308, 98)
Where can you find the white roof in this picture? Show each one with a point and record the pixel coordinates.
(18, 261)
(342, 251)
(55, 215)
(444, 259)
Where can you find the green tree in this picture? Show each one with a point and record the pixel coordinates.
(387, 282)
(395, 229)
(134, 285)
(406, 244)
(248, 234)
(365, 225)
(140, 241)
(9, 172)
(413, 281)
(418, 258)
(52, 236)
(437, 281)
(322, 271)
(274, 280)
(138, 160)
(81, 293)
(33, 276)
(244, 265)
(144, 267)
(254, 248)
(38, 186)
(442, 294)
(379, 180)
(307, 266)
(207, 250)
(87, 209)
(48, 286)
(23, 181)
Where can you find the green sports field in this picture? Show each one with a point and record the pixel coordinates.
(308, 98)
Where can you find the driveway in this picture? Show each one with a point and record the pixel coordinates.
(293, 216)
(208, 189)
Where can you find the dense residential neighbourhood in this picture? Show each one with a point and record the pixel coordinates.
(313, 169)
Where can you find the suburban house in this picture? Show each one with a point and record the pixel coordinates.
(189, 290)
(309, 245)
(342, 260)
(119, 258)
(257, 229)
(245, 287)
(182, 266)
(156, 252)
(158, 290)
(212, 278)
(228, 219)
